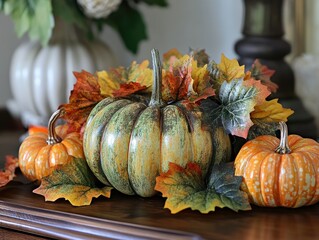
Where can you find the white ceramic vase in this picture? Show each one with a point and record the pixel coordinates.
(41, 78)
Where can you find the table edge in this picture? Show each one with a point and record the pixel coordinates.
(57, 224)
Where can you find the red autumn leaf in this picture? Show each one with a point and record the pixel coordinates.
(128, 89)
(208, 92)
(8, 173)
(195, 100)
(84, 96)
(263, 73)
(177, 83)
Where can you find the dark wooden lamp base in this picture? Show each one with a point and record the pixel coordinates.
(263, 39)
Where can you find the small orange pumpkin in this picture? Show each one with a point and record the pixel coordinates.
(281, 172)
(40, 153)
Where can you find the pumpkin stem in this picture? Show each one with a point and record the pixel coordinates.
(53, 138)
(156, 98)
(283, 147)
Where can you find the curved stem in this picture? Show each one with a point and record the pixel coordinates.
(53, 138)
(283, 147)
(156, 98)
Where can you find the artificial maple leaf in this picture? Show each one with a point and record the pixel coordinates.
(187, 188)
(230, 69)
(263, 73)
(110, 82)
(107, 85)
(185, 80)
(7, 174)
(237, 100)
(201, 78)
(262, 91)
(208, 92)
(271, 111)
(200, 56)
(171, 53)
(84, 96)
(202, 88)
(177, 82)
(73, 181)
(128, 89)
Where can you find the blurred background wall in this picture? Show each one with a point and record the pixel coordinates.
(213, 25)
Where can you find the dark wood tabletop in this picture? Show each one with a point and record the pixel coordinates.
(25, 215)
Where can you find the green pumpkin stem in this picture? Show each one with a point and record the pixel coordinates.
(283, 147)
(53, 138)
(156, 98)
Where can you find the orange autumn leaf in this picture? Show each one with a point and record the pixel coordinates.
(128, 89)
(184, 80)
(271, 111)
(7, 174)
(177, 81)
(84, 96)
(172, 53)
(74, 182)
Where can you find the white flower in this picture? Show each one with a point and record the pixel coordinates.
(99, 8)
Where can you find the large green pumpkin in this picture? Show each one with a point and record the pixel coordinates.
(128, 142)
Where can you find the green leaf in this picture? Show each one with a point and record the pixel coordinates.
(69, 12)
(226, 185)
(73, 181)
(237, 100)
(214, 73)
(41, 22)
(19, 14)
(161, 3)
(33, 16)
(2, 4)
(130, 24)
(186, 188)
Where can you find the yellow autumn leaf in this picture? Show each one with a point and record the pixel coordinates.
(74, 182)
(271, 111)
(111, 81)
(230, 69)
(200, 76)
(141, 73)
(107, 85)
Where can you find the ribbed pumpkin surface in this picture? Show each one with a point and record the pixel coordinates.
(38, 159)
(274, 179)
(128, 143)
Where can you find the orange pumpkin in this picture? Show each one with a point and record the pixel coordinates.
(40, 153)
(281, 172)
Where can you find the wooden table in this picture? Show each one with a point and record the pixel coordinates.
(121, 216)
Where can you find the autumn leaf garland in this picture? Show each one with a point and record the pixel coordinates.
(228, 97)
(240, 96)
